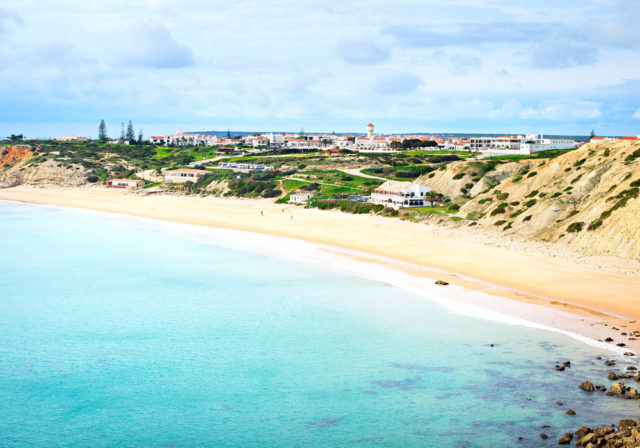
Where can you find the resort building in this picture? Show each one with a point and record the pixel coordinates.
(124, 183)
(246, 167)
(299, 198)
(400, 194)
(518, 144)
(184, 175)
(71, 139)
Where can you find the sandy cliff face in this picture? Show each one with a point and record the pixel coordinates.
(9, 155)
(587, 198)
(46, 173)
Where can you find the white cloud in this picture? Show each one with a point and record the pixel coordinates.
(150, 44)
(636, 115)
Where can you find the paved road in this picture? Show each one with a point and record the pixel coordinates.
(358, 172)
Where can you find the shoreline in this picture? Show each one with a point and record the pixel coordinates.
(589, 319)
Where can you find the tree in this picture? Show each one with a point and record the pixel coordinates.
(301, 135)
(15, 138)
(131, 133)
(593, 134)
(228, 134)
(140, 137)
(102, 131)
(122, 134)
(431, 196)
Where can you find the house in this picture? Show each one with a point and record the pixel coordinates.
(118, 142)
(400, 194)
(157, 140)
(245, 167)
(184, 175)
(66, 138)
(300, 198)
(124, 183)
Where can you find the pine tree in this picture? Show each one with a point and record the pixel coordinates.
(228, 134)
(122, 134)
(593, 134)
(140, 137)
(102, 131)
(131, 133)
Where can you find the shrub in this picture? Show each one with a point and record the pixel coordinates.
(482, 201)
(499, 209)
(594, 224)
(431, 175)
(532, 194)
(468, 186)
(579, 162)
(499, 223)
(458, 176)
(527, 218)
(516, 213)
(532, 173)
(575, 227)
(555, 195)
(635, 183)
(606, 152)
(516, 179)
(530, 203)
(502, 196)
(566, 170)
(93, 178)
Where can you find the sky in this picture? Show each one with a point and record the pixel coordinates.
(485, 66)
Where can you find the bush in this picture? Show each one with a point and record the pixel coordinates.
(594, 224)
(575, 227)
(93, 178)
(532, 194)
(499, 209)
(458, 176)
(499, 223)
(532, 173)
(530, 203)
(527, 218)
(555, 195)
(503, 196)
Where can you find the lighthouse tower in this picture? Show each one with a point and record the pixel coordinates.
(370, 130)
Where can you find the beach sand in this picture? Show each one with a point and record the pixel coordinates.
(578, 296)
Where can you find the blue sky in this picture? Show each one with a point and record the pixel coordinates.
(558, 67)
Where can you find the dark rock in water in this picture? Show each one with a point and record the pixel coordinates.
(560, 368)
(629, 354)
(612, 376)
(601, 388)
(622, 344)
(587, 386)
(632, 392)
(543, 436)
(608, 340)
(582, 431)
(566, 439)
(632, 368)
(626, 423)
(610, 362)
(559, 403)
(625, 376)
(441, 283)
(609, 394)
(636, 377)
(567, 363)
(571, 412)
(591, 437)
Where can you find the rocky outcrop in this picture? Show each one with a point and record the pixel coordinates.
(10, 155)
(47, 173)
(587, 199)
(627, 435)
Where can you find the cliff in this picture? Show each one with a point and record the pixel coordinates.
(587, 199)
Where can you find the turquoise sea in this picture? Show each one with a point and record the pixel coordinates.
(118, 332)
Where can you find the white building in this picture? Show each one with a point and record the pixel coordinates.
(192, 139)
(184, 175)
(400, 194)
(246, 167)
(275, 139)
(124, 183)
(299, 198)
(518, 144)
(66, 138)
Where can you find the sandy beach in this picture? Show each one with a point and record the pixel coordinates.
(579, 297)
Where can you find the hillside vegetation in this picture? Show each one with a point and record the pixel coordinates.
(586, 198)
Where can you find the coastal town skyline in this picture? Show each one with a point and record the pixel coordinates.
(459, 66)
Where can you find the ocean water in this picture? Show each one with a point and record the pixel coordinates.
(131, 333)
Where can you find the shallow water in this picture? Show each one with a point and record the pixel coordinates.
(123, 332)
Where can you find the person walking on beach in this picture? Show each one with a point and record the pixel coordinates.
(261, 214)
